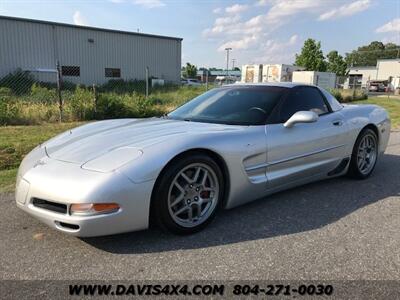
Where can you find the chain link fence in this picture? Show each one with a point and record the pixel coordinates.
(49, 95)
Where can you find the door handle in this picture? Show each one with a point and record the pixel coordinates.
(337, 122)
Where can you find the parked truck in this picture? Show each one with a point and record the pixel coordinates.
(325, 80)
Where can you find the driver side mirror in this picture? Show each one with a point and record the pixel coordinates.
(301, 117)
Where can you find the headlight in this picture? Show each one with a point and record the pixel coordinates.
(113, 160)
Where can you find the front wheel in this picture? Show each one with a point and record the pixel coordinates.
(365, 155)
(188, 194)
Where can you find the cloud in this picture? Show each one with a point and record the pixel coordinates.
(252, 36)
(280, 10)
(217, 10)
(263, 2)
(392, 26)
(273, 51)
(79, 19)
(240, 32)
(240, 44)
(236, 8)
(346, 10)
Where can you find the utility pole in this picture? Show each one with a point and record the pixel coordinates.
(60, 101)
(233, 63)
(227, 63)
(147, 82)
(206, 79)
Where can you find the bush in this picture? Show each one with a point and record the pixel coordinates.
(5, 92)
(19, 82)
(8, 111)
(82, 104)
(42, 94)
(337, 94)
(35, 107)
(347, 95)
(111, 106)
(121, 86)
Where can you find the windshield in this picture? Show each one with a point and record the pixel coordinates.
(249, 105)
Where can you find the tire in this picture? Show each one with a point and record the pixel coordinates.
(188, 194)
(367, 140)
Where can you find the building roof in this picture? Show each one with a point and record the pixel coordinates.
(90, 28)
(362, 67)
(389, 59)
(374, 67)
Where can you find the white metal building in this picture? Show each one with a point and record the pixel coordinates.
(86, 55)
(385, 70)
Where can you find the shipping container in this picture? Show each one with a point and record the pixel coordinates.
(279, 72)
(252, 73)
(322, 79)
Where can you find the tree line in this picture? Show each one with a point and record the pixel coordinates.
(312, 58)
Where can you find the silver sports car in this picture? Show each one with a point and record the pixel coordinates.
(228, 146)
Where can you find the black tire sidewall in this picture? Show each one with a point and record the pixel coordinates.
(354, 170)
(160, 197)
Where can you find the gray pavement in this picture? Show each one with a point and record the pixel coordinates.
(331, 230)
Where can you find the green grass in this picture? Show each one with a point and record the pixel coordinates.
(392, 105)
(17, 141)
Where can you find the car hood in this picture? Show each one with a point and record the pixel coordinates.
(93, 140)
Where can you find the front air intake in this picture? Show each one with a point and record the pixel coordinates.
(51, 206)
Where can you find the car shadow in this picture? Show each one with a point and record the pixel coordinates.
(297, 210)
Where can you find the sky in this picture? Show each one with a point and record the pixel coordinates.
(258, 31)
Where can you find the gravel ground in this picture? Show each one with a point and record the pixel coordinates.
(332, 230)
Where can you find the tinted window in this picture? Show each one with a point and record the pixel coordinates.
(233, 105)
(302, 99)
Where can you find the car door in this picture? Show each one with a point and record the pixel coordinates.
(305, 150)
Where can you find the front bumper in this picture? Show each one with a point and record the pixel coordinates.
(66, 183)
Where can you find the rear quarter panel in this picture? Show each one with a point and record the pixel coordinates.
(358, 116)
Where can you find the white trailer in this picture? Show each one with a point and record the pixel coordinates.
(325, 80)
(279, 72)
(252, 73)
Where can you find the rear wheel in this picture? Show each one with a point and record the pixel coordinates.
(188, 194)
(365, 154)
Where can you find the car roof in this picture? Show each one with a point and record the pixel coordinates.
(335, 105)
(279, 84)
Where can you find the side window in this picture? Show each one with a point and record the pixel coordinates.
(302, 99)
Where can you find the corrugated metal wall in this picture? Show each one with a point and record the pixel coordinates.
(31, 45)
